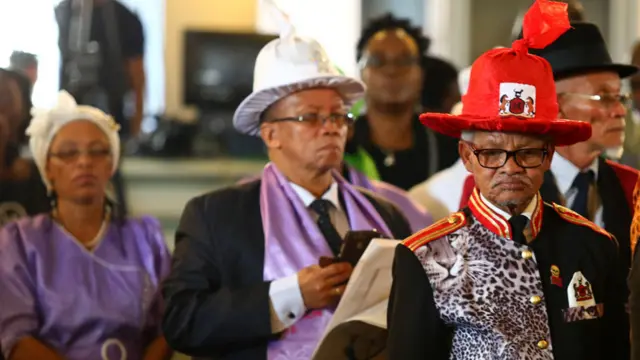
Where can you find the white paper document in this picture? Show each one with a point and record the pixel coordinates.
(360, 320)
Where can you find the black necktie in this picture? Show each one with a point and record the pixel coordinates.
(518, 224)
(582, 182)
(321, 207)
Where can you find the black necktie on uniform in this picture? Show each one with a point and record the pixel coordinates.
(321, 207)
(582, 182)
(518, 224)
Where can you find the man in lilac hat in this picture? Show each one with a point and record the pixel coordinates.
(245, 283)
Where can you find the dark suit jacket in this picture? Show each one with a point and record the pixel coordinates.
(615, 185)
(217, 303)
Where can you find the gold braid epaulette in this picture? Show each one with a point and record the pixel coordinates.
(575, 218)
(437, 230)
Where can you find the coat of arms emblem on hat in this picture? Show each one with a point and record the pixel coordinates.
(517, 100)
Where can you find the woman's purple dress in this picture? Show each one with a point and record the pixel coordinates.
(103, 304)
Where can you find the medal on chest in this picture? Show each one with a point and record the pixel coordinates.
(555, 276)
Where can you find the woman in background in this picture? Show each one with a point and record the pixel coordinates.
(80, 282)
(22, 192)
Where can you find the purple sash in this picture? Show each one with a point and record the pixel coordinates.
(418, 217)
(293, 241)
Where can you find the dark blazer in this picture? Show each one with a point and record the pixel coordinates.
(615, 185)
(416, 330)
(217, 303)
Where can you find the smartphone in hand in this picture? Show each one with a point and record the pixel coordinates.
(354, 245)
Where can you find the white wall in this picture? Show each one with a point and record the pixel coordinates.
(409, 9)
(447, 23)
(335, 24)
(151, 13)
(450, 24)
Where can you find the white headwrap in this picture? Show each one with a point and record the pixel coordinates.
(47, 122)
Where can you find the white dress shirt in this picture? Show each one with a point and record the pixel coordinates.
(565, 173)
(287, 305)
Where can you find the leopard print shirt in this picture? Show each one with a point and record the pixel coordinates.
(486, 290)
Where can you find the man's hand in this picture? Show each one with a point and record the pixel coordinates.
(321, 287)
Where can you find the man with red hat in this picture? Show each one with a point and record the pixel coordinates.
(589, 86)
(510, 276)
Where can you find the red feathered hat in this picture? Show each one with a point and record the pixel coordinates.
(511, 90)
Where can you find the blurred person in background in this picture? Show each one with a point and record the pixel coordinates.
(388, 142)
(631, 155)
(442, 192)
(24, 67)
(21, 189)
(576, 12)
(102, 48)
(440, 90)
(82, 281)
(27, 65)
(109, 55)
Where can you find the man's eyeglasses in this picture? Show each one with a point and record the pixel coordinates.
(606, 99)
(73, 155)
(316, 120)
(527, 158)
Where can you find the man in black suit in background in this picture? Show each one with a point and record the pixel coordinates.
(245, 283)
(102, 48)
(24, 69)
(115, 35)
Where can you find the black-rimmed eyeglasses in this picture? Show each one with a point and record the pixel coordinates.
(339, 119)
(527, 158)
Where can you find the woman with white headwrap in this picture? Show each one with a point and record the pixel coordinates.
(80, 282)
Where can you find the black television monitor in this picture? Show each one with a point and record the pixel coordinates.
(218, 67)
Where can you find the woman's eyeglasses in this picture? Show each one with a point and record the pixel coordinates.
(375, 61)
(73, 155)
